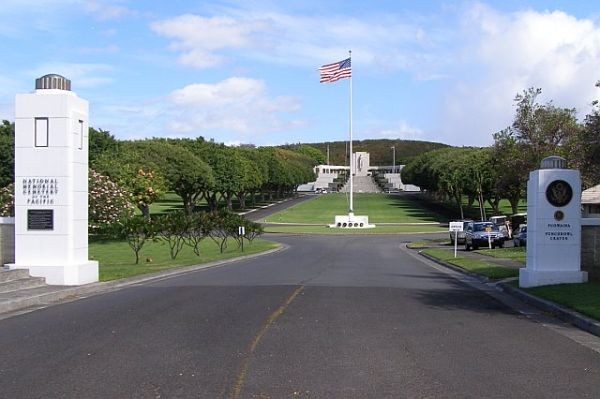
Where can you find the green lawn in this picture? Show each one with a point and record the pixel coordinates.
(170, 202)
(584, 298)
(167, 203)
(381, 208)
(117, 260)
(489, 270)
(517, 254)
(377, 230)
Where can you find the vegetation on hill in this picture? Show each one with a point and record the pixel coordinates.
(380, 150)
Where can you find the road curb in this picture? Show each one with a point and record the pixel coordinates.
(70, 293)
(570, 316)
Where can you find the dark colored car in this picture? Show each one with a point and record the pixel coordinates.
(520, 237)
(461, 234)
(480, 234)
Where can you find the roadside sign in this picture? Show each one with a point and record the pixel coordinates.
(241, 233)
(456, 226)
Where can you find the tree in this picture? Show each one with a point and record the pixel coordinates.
(183, 172)
(134, 170)
(508, 157)
(172, 228)
(136, 230)
(260, 172)
(541, 128)
(7, 151)
(584, 149)
(101, 141)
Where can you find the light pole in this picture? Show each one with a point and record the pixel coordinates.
(393, 158)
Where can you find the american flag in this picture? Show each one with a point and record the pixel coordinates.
(336, 71)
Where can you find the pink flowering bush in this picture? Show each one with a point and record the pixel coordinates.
(108, 202)
(7, 200)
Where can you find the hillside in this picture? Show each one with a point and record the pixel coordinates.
(381, 153)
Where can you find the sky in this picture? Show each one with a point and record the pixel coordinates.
(247, 71)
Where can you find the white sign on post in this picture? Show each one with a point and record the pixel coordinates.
(456, 227)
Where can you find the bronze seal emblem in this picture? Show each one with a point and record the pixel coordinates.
(559, 193)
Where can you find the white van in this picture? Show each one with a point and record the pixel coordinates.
(500, 221)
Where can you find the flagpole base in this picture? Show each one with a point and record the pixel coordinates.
(351, 221)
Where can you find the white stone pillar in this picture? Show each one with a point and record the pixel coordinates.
(51, 184)
(553, 226)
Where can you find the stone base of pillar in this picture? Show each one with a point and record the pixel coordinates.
(532, 278)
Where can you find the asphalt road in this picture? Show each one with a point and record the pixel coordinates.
(262, 213)
(329, 317)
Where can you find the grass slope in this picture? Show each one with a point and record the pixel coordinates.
(381, 208)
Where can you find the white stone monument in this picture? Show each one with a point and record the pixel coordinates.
(553, 226)
(362, 163)
(51, 184)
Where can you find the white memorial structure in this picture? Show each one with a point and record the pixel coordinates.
(553, 227)
(51, 184)
(359, 166)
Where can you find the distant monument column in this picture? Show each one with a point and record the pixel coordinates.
(553, 226)
(51, 184)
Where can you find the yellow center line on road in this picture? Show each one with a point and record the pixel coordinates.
(241, 377)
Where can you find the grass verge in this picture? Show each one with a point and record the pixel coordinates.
(117, 259)
(489, 270)
(584, 298)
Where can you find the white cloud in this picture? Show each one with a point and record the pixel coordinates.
(385, 42)
(511, 52)
(199, 38)
(103, 10)
(238, 106)
(402, 130)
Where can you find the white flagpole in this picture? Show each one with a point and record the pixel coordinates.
(351, 158)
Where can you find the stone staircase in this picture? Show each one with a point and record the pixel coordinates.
(17, 280)
(19, 290)
(362, 184)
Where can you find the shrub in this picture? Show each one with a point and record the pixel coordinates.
(108, 202)
(7, 200)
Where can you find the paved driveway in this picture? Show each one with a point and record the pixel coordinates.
(330, 317)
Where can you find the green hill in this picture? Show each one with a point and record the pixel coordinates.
(380, 151)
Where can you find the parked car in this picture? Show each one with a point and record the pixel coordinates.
(520, 236)
(517, 220)
(480, 234)
(500, 221)
(460, 239)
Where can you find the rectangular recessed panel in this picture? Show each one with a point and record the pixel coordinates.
(41, 132)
